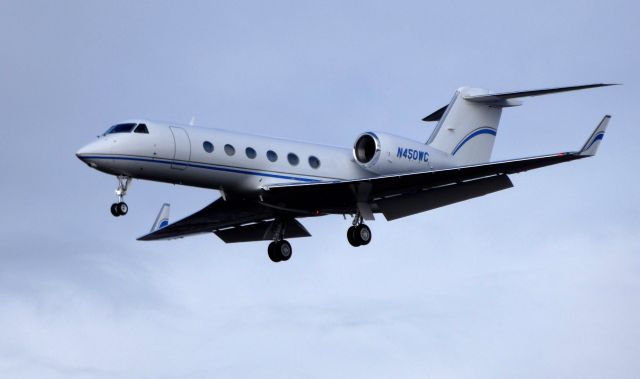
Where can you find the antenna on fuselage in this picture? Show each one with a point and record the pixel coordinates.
(193, 121)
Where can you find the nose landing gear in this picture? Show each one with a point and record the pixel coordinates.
(121, 208)
(358, 234)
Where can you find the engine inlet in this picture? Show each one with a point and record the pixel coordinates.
(365, 148)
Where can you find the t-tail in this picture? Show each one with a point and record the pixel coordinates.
(468, 126)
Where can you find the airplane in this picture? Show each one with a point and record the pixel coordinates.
(266, 184)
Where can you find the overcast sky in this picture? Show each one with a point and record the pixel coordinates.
(541, 280)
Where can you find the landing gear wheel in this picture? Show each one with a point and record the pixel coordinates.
(114, 210)
(284, 250)
(122, 208)
(351, 236)
(362, 234)
(279, 251)
(273, 254)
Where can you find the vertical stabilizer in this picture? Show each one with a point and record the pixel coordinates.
(467, 129)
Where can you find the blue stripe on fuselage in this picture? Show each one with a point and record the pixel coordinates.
(203, 166)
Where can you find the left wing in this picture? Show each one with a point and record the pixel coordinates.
(343, 196)
(405, 194)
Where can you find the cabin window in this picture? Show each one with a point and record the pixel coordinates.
(120, 128)
(314, 162)
(272, 156)
(141, 128)
(251, 153)
(207, 146)
(293, 159)
(230, 150)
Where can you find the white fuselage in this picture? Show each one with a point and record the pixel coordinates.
(177, 154)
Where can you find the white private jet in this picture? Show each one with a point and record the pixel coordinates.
(266, 184)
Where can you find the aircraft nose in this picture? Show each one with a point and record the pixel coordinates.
(81, 152)
(91, 152)
(85, 151)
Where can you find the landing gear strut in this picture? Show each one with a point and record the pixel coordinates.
(121, 208)
(358, 234)
(280, 249)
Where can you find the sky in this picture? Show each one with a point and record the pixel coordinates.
(540, 280)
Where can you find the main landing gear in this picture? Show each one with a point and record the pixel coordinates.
(280, 249)
(358, 234)
(121, 208)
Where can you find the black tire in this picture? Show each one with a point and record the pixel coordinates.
(273, 254)
(114, 210)
(351, 236)
(122, 208)
(362, 234)
(284, 250)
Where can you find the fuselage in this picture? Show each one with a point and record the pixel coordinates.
(216, 159)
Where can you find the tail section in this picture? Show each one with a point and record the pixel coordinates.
(467, 129)
(163, 218)
(468, 126)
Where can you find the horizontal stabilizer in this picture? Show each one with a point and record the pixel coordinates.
(504, 99)
(437, 115)
(496, 97)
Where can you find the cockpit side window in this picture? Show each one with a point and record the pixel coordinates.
(121, 128)
(141, 128)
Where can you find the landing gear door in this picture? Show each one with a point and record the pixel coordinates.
(182, 148)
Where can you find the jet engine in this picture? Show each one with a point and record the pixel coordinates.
(385, 154)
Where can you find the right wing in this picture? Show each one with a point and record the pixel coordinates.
(217, 215)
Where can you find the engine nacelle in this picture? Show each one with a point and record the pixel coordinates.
(385, 154)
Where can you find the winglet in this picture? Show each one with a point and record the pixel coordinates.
(591, 146)
(163, 218)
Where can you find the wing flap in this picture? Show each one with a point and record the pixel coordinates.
(262, 231)
(401, 206)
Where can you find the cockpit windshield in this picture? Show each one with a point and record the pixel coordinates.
(120, 128)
